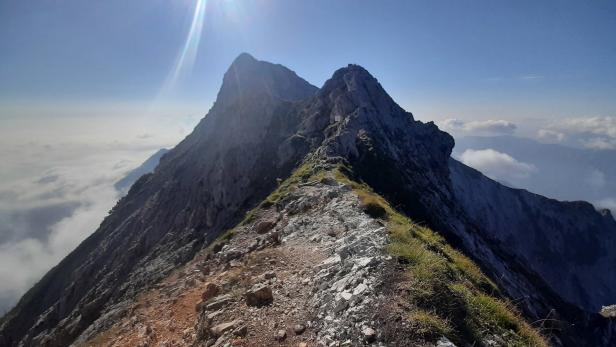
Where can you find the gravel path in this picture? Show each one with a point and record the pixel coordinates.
(321, 257)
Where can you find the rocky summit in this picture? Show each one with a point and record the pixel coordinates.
(299, 216)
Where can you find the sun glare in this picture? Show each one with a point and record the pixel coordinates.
(186, 57)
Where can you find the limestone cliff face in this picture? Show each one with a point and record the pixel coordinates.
(545, 235)
(553, 256)
(266, 120)
(201, 187)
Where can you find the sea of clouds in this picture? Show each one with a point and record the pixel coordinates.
(58, 173)
(567, 159)
(57, 184)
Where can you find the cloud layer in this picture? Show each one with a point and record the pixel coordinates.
(485, 127)
(57, 185)
(497, 165)
(588, 132)
(45, 218)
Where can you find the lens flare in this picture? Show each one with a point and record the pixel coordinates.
(186, 59)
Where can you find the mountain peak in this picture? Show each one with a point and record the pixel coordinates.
(355, 70)
(351, 75)
(250, 79)
(217, 203)
(353, 87)
(244, 59)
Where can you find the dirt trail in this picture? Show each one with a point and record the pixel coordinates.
(318, 253)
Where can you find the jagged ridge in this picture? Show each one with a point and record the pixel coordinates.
(210, 179)
(326, 256)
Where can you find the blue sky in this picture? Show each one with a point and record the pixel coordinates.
(90, 88)
(438, 59)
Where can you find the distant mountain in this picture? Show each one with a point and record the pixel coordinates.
(298, 215)
(562, 172)
(148, 166)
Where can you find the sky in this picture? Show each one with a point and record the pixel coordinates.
(439, 59)
(90, 89)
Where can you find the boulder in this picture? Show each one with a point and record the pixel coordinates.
(444, 342)
(608, 311)
(199, 306)
(299, 329)
(259, 295)
(254, 244)
(269, 275)
(281, 335)
(264, 226)
(369, 334)
(210, 290)
(232, 254)
(241, 331)
(275, 237)
(219, 303)
(222, 328)
(359, 289)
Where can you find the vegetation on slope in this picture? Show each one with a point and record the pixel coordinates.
(448, 293)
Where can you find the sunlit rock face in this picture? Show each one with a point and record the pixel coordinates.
(264, 122)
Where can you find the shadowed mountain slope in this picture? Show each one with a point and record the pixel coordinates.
(265, 121)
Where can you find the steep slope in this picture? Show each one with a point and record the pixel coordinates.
(205, 184)
(548, 235)
(557, 166)
(525, 248)
(148, 166)
(330, 271)
(264, 122)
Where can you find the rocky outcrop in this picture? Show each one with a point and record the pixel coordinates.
(557, 235)
(313, 286)
(523, 240)
(205, 184)
(526, 242)
(264, 122)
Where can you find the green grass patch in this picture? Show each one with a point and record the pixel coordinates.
(428, 325)
(303, 173)
(373, 207)
(448, 293)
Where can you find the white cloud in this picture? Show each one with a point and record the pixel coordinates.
(485, 127)
(24, 261)
(589, 132)
(57, 184)
(592, 125)
(550, 135)
(497, 165)
(75, 195)
(599, 143)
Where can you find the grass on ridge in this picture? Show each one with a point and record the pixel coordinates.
(449, 294)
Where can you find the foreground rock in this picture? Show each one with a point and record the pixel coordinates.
(259, 295)
(222, 328)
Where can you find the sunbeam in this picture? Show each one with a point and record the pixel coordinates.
(186, 58)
